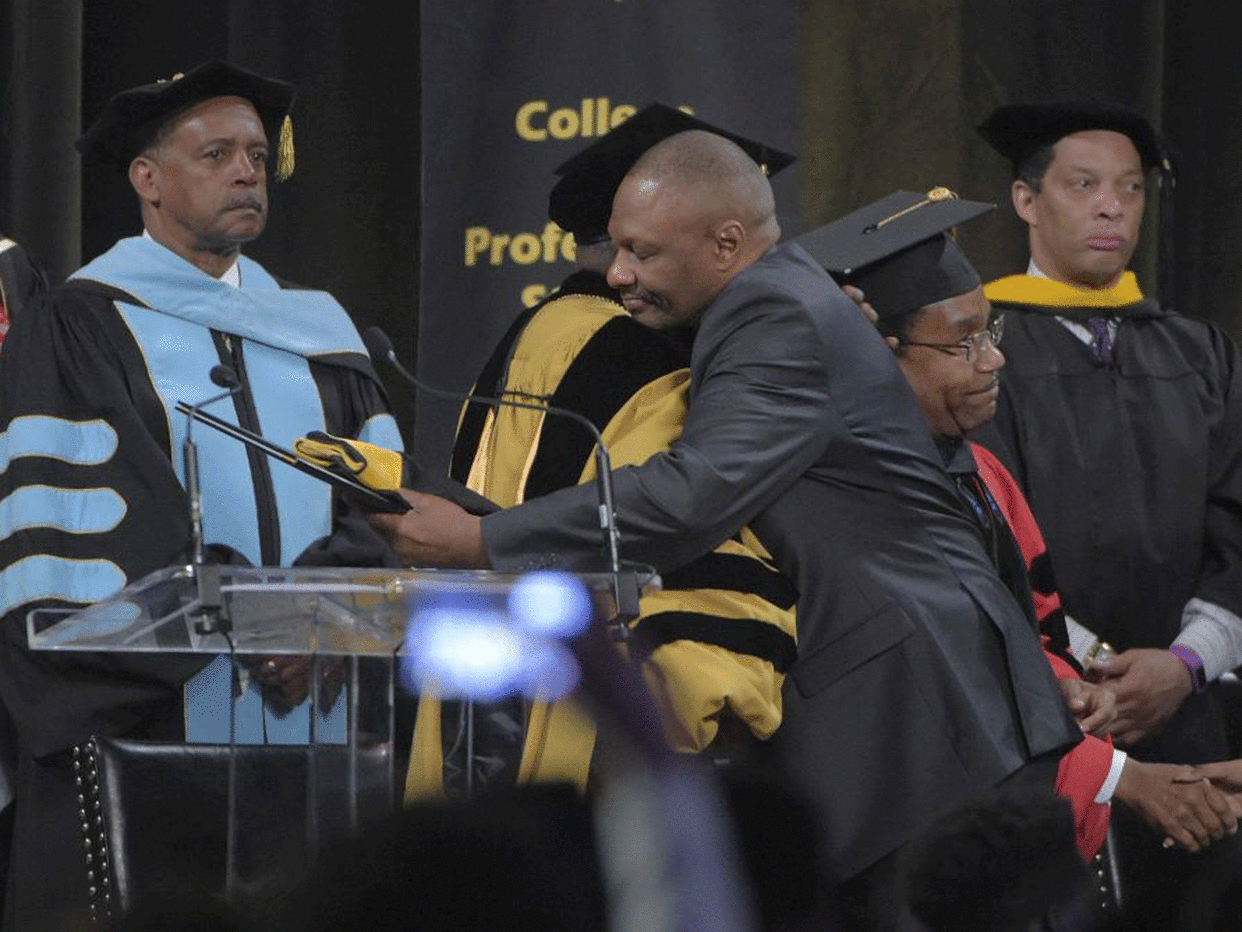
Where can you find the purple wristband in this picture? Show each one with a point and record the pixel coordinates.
(1198, 682)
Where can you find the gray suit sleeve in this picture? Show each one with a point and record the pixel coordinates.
(759, 416)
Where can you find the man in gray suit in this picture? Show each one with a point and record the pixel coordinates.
(919, 684)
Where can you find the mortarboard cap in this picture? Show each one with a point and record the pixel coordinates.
(132, 118)
(1017, 130)
(581, 201)
(899, 250)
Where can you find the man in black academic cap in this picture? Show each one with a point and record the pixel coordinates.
(1122, 421)
(579, 350)
(89, 380)
(918, 682)
(935, 318)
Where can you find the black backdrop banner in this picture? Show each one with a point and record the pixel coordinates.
(887, 96)
(510, 90)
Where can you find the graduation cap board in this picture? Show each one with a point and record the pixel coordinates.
(132, 118)
(581, 202)
(1017, 130)
(899, 250)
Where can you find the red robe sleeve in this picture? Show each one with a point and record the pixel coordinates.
(1080, 774)
(1083, 770)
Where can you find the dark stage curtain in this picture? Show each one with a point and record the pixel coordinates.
(40, 103)
(890, 94)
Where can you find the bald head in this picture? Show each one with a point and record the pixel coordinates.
(714, 171)
(693, 212)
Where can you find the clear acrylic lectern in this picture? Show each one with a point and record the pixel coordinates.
(349, 623)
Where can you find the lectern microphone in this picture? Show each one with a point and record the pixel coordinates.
(227, 379)
(625, 584)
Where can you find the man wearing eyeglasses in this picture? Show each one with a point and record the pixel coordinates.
(929, 304)
(957, 385)
(918, 682)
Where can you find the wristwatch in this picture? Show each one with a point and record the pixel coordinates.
(1100, 650)
(1194, 663)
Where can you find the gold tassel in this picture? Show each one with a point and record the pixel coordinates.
(284, 150)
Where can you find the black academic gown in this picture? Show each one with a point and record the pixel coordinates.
(1133, 469)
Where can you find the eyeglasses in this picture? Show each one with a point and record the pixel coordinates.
(970, 347)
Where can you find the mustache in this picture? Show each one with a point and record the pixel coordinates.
(245, 201)
(643, 295)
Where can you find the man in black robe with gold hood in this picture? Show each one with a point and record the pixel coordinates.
(1122, 421)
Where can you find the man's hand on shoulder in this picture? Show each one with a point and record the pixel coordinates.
(1149, 685)
(434, 533)
(854, 293)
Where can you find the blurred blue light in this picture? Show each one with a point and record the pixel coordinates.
(464, 652)
(488, 645)
(551, 672)
(551, 604)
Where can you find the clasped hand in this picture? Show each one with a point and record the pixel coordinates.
(287, 680)
(1149, 685)
(1181, 802)
(1093, 706)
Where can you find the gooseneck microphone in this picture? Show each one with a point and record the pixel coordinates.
(227, 379)
(211, 603)
(625, 591)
